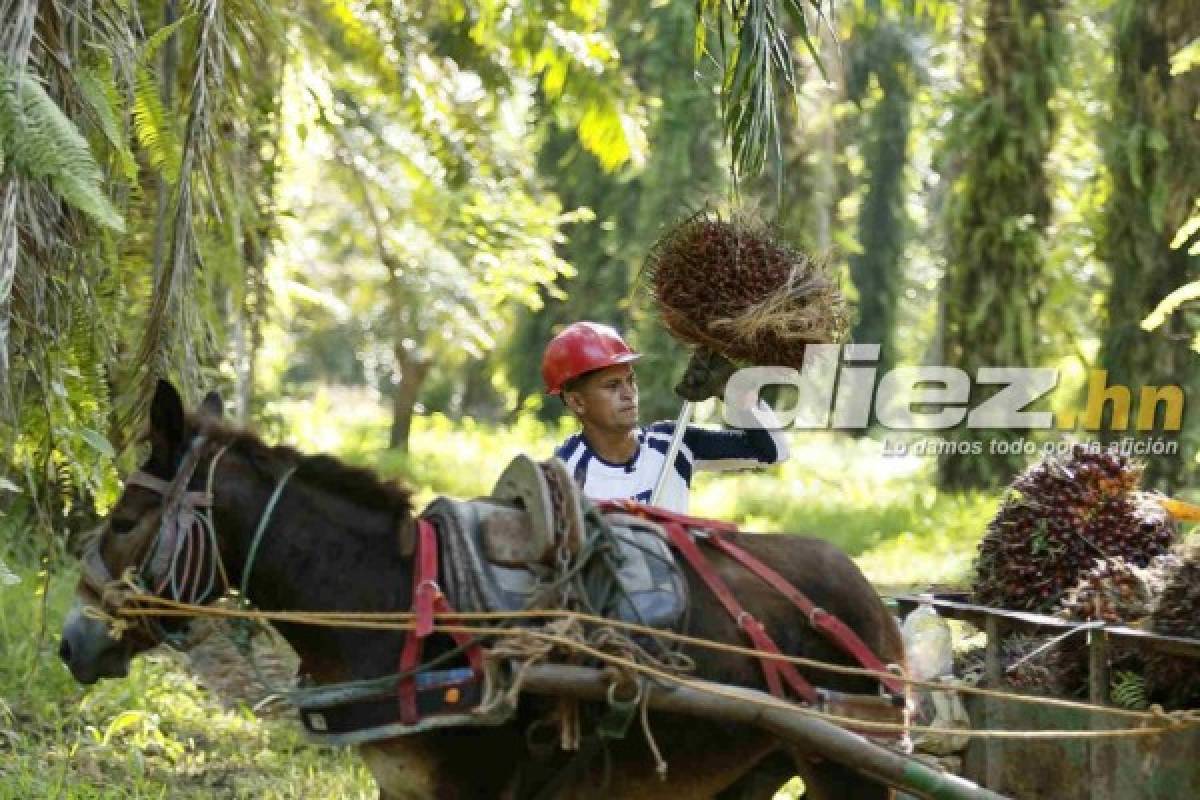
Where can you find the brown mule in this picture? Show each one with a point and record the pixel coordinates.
(331, 545)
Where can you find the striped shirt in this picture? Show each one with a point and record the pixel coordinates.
(701, 449)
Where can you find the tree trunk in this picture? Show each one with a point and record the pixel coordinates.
(1153, 154)
(996, 221)
(414, 369)
(882, 53)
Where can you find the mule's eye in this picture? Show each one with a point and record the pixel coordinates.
(120, 526)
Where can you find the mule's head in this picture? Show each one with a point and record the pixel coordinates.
(148, 535)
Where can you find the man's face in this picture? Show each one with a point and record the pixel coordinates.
(607, 399)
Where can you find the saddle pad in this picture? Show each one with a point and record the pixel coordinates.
(652, 589)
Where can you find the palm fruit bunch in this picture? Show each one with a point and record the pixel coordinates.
(1174, 681)
(1057, 518)
(731, 286)
(1117, 591)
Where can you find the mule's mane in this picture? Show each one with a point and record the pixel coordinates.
(358, 484)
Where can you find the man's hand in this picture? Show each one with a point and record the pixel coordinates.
(705, 377)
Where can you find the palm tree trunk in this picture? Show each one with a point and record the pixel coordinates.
(883, 53)
(1153, 154)
(16, 36)
(997, 219)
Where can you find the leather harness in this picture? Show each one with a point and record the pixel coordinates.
(777, 672)
(427, 598)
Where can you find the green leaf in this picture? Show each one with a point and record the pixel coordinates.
(699, 35)
(122, 722)
(1189, 229)
(156, 40)
(100, 95)
(1189, 292)
(44, 144)
(795, 12)
(98, 442)
(1187, 58)
(153, 126)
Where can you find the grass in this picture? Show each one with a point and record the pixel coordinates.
(156, 734)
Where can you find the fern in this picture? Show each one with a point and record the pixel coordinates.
(153, 127)
(42, 143)
(1129, 690)
(156, 40)
(100, 94)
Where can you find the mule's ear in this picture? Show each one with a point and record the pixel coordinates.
(212, 406)
(166, 418)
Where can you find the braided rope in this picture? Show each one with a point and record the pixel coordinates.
(1162, 721)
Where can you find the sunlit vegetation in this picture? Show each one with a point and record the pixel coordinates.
(361, 220)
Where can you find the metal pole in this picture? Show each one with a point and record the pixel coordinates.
(812, 735)
(681, 423)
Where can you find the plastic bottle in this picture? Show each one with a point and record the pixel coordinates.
(928, 644)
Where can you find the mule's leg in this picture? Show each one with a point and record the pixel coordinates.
(827, 780)
(764, 780)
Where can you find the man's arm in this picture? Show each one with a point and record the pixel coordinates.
(762, 445)
(738, 449)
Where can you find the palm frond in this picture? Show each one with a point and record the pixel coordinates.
(154, 126)
(168, 322)
(43, 144)
(100, 93)
(757, 68)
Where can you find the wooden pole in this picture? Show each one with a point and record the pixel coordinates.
(681, 423)
(1098, 749)
(808, 733)
(994, 674)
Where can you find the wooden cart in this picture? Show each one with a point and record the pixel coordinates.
(1134, 768)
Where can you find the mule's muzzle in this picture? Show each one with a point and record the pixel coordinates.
(89, 651)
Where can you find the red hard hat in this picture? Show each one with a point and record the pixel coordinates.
(582, 347)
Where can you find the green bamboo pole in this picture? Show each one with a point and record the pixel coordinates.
(799, 731)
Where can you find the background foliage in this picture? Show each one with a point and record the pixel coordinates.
(270, 198)
(362, 219)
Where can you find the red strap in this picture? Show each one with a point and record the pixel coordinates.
(425, 586)
(775, 672)
(822, 620)
(832, 627)
(427, 599)
(663, 515)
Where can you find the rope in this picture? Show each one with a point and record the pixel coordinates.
(262, 528)
(660, 766)
(403, 621)
(395, 620)
(216, 546)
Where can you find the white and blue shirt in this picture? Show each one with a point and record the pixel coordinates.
(701, 449)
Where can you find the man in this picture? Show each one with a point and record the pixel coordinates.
(591, 367)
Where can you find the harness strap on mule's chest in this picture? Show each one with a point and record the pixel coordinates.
(776, 672)
(819, 618)
(827, 624)
(427, 598)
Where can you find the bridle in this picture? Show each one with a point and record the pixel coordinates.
(182, 562)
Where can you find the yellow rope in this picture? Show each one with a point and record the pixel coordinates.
(403, 621)
(400, 620)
